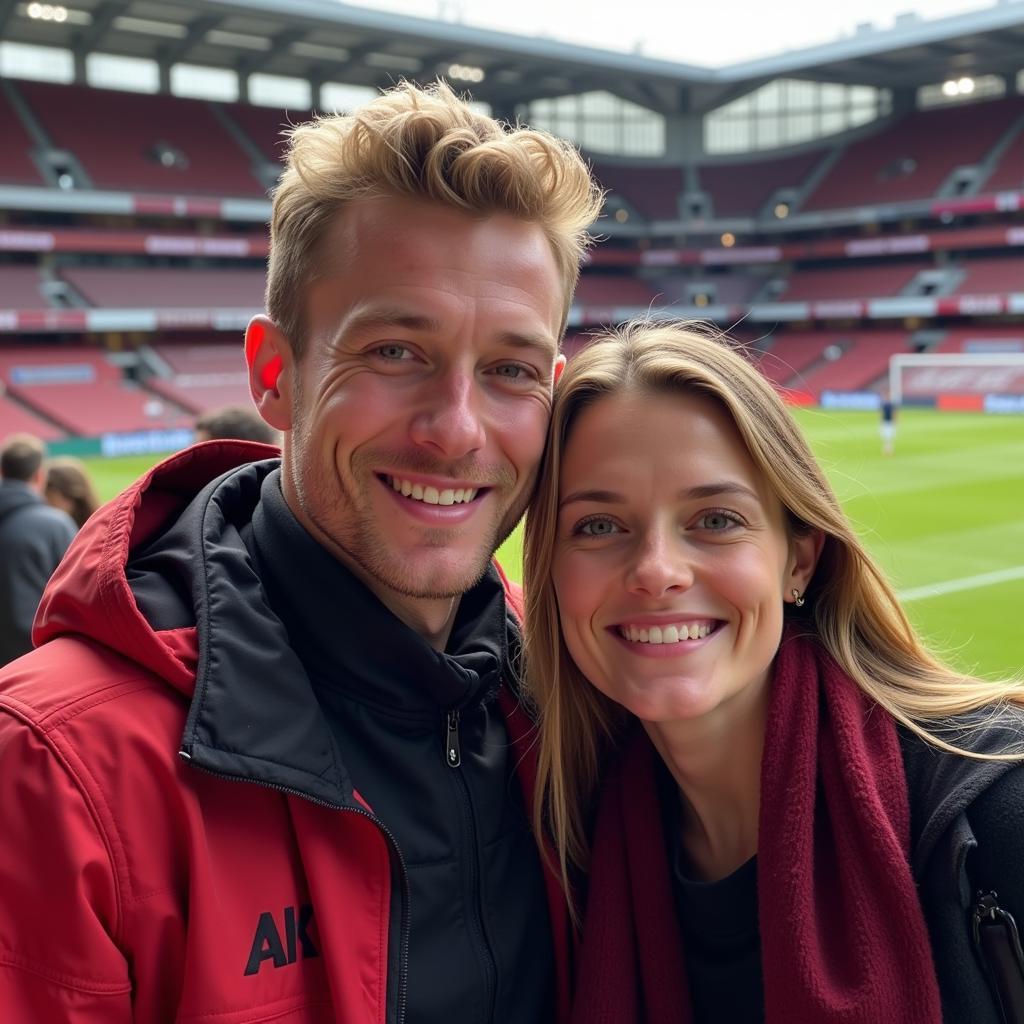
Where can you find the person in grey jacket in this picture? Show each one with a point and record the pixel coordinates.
(33, 539)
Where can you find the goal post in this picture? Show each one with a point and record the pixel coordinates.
(926, 376)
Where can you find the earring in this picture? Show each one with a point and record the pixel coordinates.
(798, 600)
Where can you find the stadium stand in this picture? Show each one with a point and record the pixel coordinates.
(81, 392)
(16, 166)
(613, 290)
(16, 419)
(912, 157)
(265, 126)
(102, 407)
(983, 338)
(203, 376)
(19, 287)
(854, 282)
(1009, 171)
(788, 355)
(864, 361)
(654, 192)
(167, 287)
(999, 275)
(742, 189)
(134, 141)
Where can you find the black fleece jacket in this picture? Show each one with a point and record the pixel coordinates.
(967, 827)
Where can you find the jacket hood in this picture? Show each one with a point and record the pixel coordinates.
(942, 785)
(89, 594)
(15, 494)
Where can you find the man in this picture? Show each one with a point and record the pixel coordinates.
(264, 764)
(887, 423)
(240, 422)
(33, 539)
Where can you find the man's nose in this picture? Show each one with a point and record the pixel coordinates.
(450, 421)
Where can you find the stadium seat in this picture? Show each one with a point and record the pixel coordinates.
(851, 282)
(168, 287)
(16, 165)
(741, 188)
(912, 157)
(146, 143)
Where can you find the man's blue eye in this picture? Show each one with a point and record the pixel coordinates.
(393, 351)
(512, 371)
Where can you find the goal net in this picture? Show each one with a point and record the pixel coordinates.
(988, 381)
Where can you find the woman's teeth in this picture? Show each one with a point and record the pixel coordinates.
(673, 634)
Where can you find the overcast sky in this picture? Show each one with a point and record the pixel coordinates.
(709, 32)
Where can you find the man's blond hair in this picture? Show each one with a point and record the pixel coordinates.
(424, 144)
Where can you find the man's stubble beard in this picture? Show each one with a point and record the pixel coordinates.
(357, 544)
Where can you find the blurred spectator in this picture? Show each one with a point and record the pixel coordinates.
(69, 487)
(241, 422)
(33, 539)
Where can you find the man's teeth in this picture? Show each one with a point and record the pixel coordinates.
(431, 495)
(666, 634)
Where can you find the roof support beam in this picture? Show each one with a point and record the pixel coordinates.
(6, 10)
(174, 52)
(103, 17)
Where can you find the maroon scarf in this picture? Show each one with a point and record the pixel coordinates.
(843, 937)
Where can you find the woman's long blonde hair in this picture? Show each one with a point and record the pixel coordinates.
(851, 607)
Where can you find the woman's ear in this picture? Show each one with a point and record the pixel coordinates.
(804, 552)
(268, 355)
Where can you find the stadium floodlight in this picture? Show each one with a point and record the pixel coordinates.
(954, 87)
(465, 73)
(931, 374)
(47, 12)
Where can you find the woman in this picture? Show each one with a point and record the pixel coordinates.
(69, 487)
(772, 785)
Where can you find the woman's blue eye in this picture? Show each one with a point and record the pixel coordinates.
(716, 521)
(598, 528)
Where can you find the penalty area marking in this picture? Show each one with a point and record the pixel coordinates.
(984, 579)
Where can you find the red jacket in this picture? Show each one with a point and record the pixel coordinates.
(135, 886)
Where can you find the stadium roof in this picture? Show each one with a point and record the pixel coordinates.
(320, 40)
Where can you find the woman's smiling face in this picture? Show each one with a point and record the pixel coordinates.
(673, 558)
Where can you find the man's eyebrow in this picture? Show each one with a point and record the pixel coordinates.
(395, 316)
(710, 490)
(387, 316)
(542, 343)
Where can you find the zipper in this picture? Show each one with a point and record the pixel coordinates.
(453, 753)
(453, 758)
(403, 940)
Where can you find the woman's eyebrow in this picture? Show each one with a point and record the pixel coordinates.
(602, 497)
(709, 490)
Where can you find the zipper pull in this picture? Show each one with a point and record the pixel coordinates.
(453, 756)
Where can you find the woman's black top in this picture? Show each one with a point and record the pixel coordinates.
(718, 922)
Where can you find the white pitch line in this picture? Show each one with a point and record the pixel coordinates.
(965, 583)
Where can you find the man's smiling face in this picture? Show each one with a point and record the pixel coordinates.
(420, 403)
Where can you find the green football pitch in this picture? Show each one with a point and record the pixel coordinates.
(944, 516)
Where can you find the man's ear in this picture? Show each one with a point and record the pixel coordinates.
(268, 355)
(559, 366)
